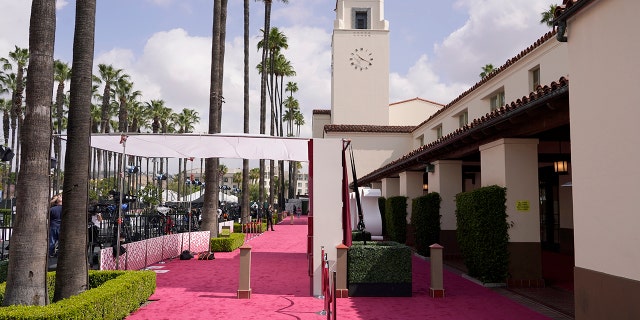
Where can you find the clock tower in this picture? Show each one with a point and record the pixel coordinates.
(360, 63)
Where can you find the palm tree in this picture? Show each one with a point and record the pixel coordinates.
(244, 204)
(16, 82)
(20, 57)
(263, 87)
(72, 275)
(548, 16)
(5, 106)
(277, 68)
(210, 207)
(186, 119)
(125, 94)
(292, 108)
(298, 120)
(138, 117)
(254, 175)
(156, 111)
(486, 70)
(108, 76)
(62, 73)
(27, 272)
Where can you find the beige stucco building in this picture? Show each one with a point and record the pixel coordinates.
(546, 109)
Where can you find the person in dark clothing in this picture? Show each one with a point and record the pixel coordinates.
(270, 218)
(55, 216)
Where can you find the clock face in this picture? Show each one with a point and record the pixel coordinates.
(361, 59)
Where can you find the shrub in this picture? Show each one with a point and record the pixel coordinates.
(112, 295)
(227, 244)
(382, 205)
(482, 232)
(425, 219)
(379, 262)
(396, 216)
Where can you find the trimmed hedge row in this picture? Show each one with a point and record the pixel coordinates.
(483, 232)
(379, 262)
(425, 219)
(112, 295)
(227, 244)
(396, 218)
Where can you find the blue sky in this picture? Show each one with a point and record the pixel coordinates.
(437, 47)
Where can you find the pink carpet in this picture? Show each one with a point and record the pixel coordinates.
(201, 289)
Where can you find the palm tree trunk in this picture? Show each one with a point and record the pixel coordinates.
(27, 271)
(263, 91)
(72, 275)
(244, 205)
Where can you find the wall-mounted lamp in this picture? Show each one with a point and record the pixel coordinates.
(425, 181)
(561, 166)
(430, 168)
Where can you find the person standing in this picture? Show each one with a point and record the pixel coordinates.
(299, 212)
(270, 218)
(55, 217)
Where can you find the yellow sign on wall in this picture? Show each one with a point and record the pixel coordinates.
(522, 205)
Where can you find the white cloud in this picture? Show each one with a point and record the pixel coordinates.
(176, 66)
(14, 26)
(495, 31)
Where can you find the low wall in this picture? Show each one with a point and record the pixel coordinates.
(141, 254)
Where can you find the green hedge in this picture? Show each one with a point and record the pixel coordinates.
(360, 235)
(227, 244)
(482, 232)
(382, 205)
(396, 216)
(379, 262)
(4, 266)
(425, 219)
(112, 295)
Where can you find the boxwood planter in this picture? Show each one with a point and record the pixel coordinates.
(379, 269)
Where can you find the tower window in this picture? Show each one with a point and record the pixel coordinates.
(361, 19)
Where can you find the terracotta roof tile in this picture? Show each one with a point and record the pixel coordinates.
(494, 73)
(321, 111)
(541, 91)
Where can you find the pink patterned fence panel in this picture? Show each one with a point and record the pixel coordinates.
(141, 254)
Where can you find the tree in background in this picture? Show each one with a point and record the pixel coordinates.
(486, 70)
(548, 16)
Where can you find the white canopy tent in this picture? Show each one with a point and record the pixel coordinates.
(235, 146)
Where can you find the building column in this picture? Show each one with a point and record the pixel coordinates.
(390, 187)
(410, 187)
(446, 179)
(513, 163)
